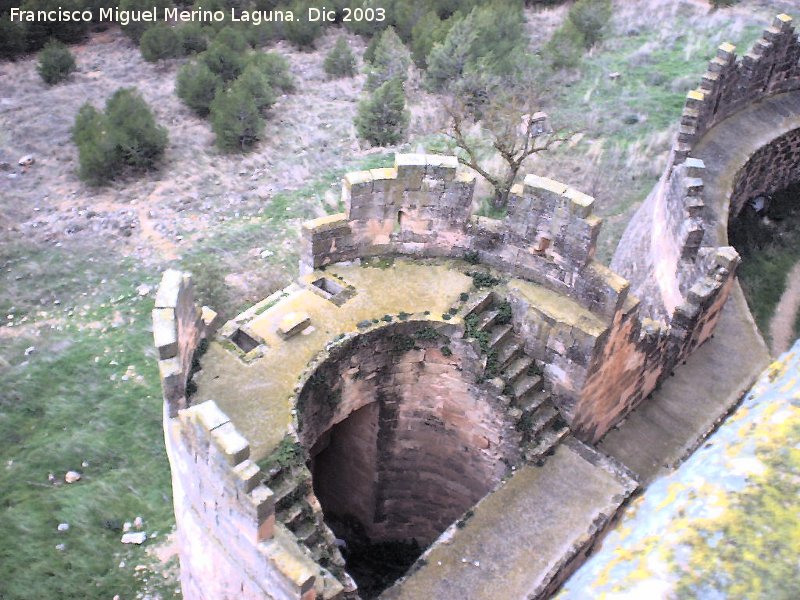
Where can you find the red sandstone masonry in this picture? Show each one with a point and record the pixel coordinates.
(421, 208)
(226, 515)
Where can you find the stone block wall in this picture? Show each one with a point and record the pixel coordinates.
(177, 330)
(669, 244)
(637, 353)
(422, 208)
(230, 545)
(770, 169)
(414, 439)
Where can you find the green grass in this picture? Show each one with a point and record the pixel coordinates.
(276, 228)
(73, 400)
(655, 75)
(69, 403)
(768, 254)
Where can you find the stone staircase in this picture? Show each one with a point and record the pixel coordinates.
(516, 376)
(298, 510)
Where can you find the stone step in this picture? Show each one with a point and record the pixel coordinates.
(486, 320)
(307, 533)
(536, 422)
(498, 334)
(525, 384)
(497, 384)
(332, 587)
(545, 443)
(508, 351)
(292, 516)
(284, 492)
(532, 401)
(479, 303)
(518, 367)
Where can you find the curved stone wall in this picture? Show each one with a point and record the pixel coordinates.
(669, 244)
(400, 434)
(772, 66)
(771, 169)
(422, 208)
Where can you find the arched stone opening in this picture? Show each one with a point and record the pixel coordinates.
(772, 168)
(402, 437)
(764, 227)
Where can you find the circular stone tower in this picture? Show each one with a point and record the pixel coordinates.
(416, 413)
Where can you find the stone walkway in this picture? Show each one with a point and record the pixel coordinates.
(522, 536)
(663, 431)
(727, 147)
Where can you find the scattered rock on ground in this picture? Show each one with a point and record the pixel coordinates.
(134, 537)
(72, 476)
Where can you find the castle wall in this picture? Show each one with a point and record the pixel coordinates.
(638, 353)
(667, 246)
(230, 545)
(177, 329)
(421, 208)
(441, 439)
(414, 440)
(770, 169)
(772, 66)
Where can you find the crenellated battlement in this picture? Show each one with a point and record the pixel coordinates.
(422, 208)
(671, 241)
(771, 66)
(362, 366)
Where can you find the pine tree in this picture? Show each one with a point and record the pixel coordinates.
(590, 18)
(193, 38)
(340, 61)
(448, 60)
(224, 61)
(302, 32)
(276, 69)
(235, 119)
(232, 38)
(391, 61)
(12, 38)
(197, 86)
(96, 156)
(132, 129)
(56, 63)
(135, 29)
(160, 42)
(565, 48)
(123, 138)
(489, 40)
(255, 83)
(382, 118)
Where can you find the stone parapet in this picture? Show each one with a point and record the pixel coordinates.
(226, 516)
(422, 208)
(178, 327)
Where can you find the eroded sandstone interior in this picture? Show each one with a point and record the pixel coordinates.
(403, 437)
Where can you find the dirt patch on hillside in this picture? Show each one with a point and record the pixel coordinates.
(308, 132)
(781, 326)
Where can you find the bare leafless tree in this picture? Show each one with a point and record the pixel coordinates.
(515, 128)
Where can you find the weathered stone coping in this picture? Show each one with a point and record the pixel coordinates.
(256, 390)
(521, 540)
